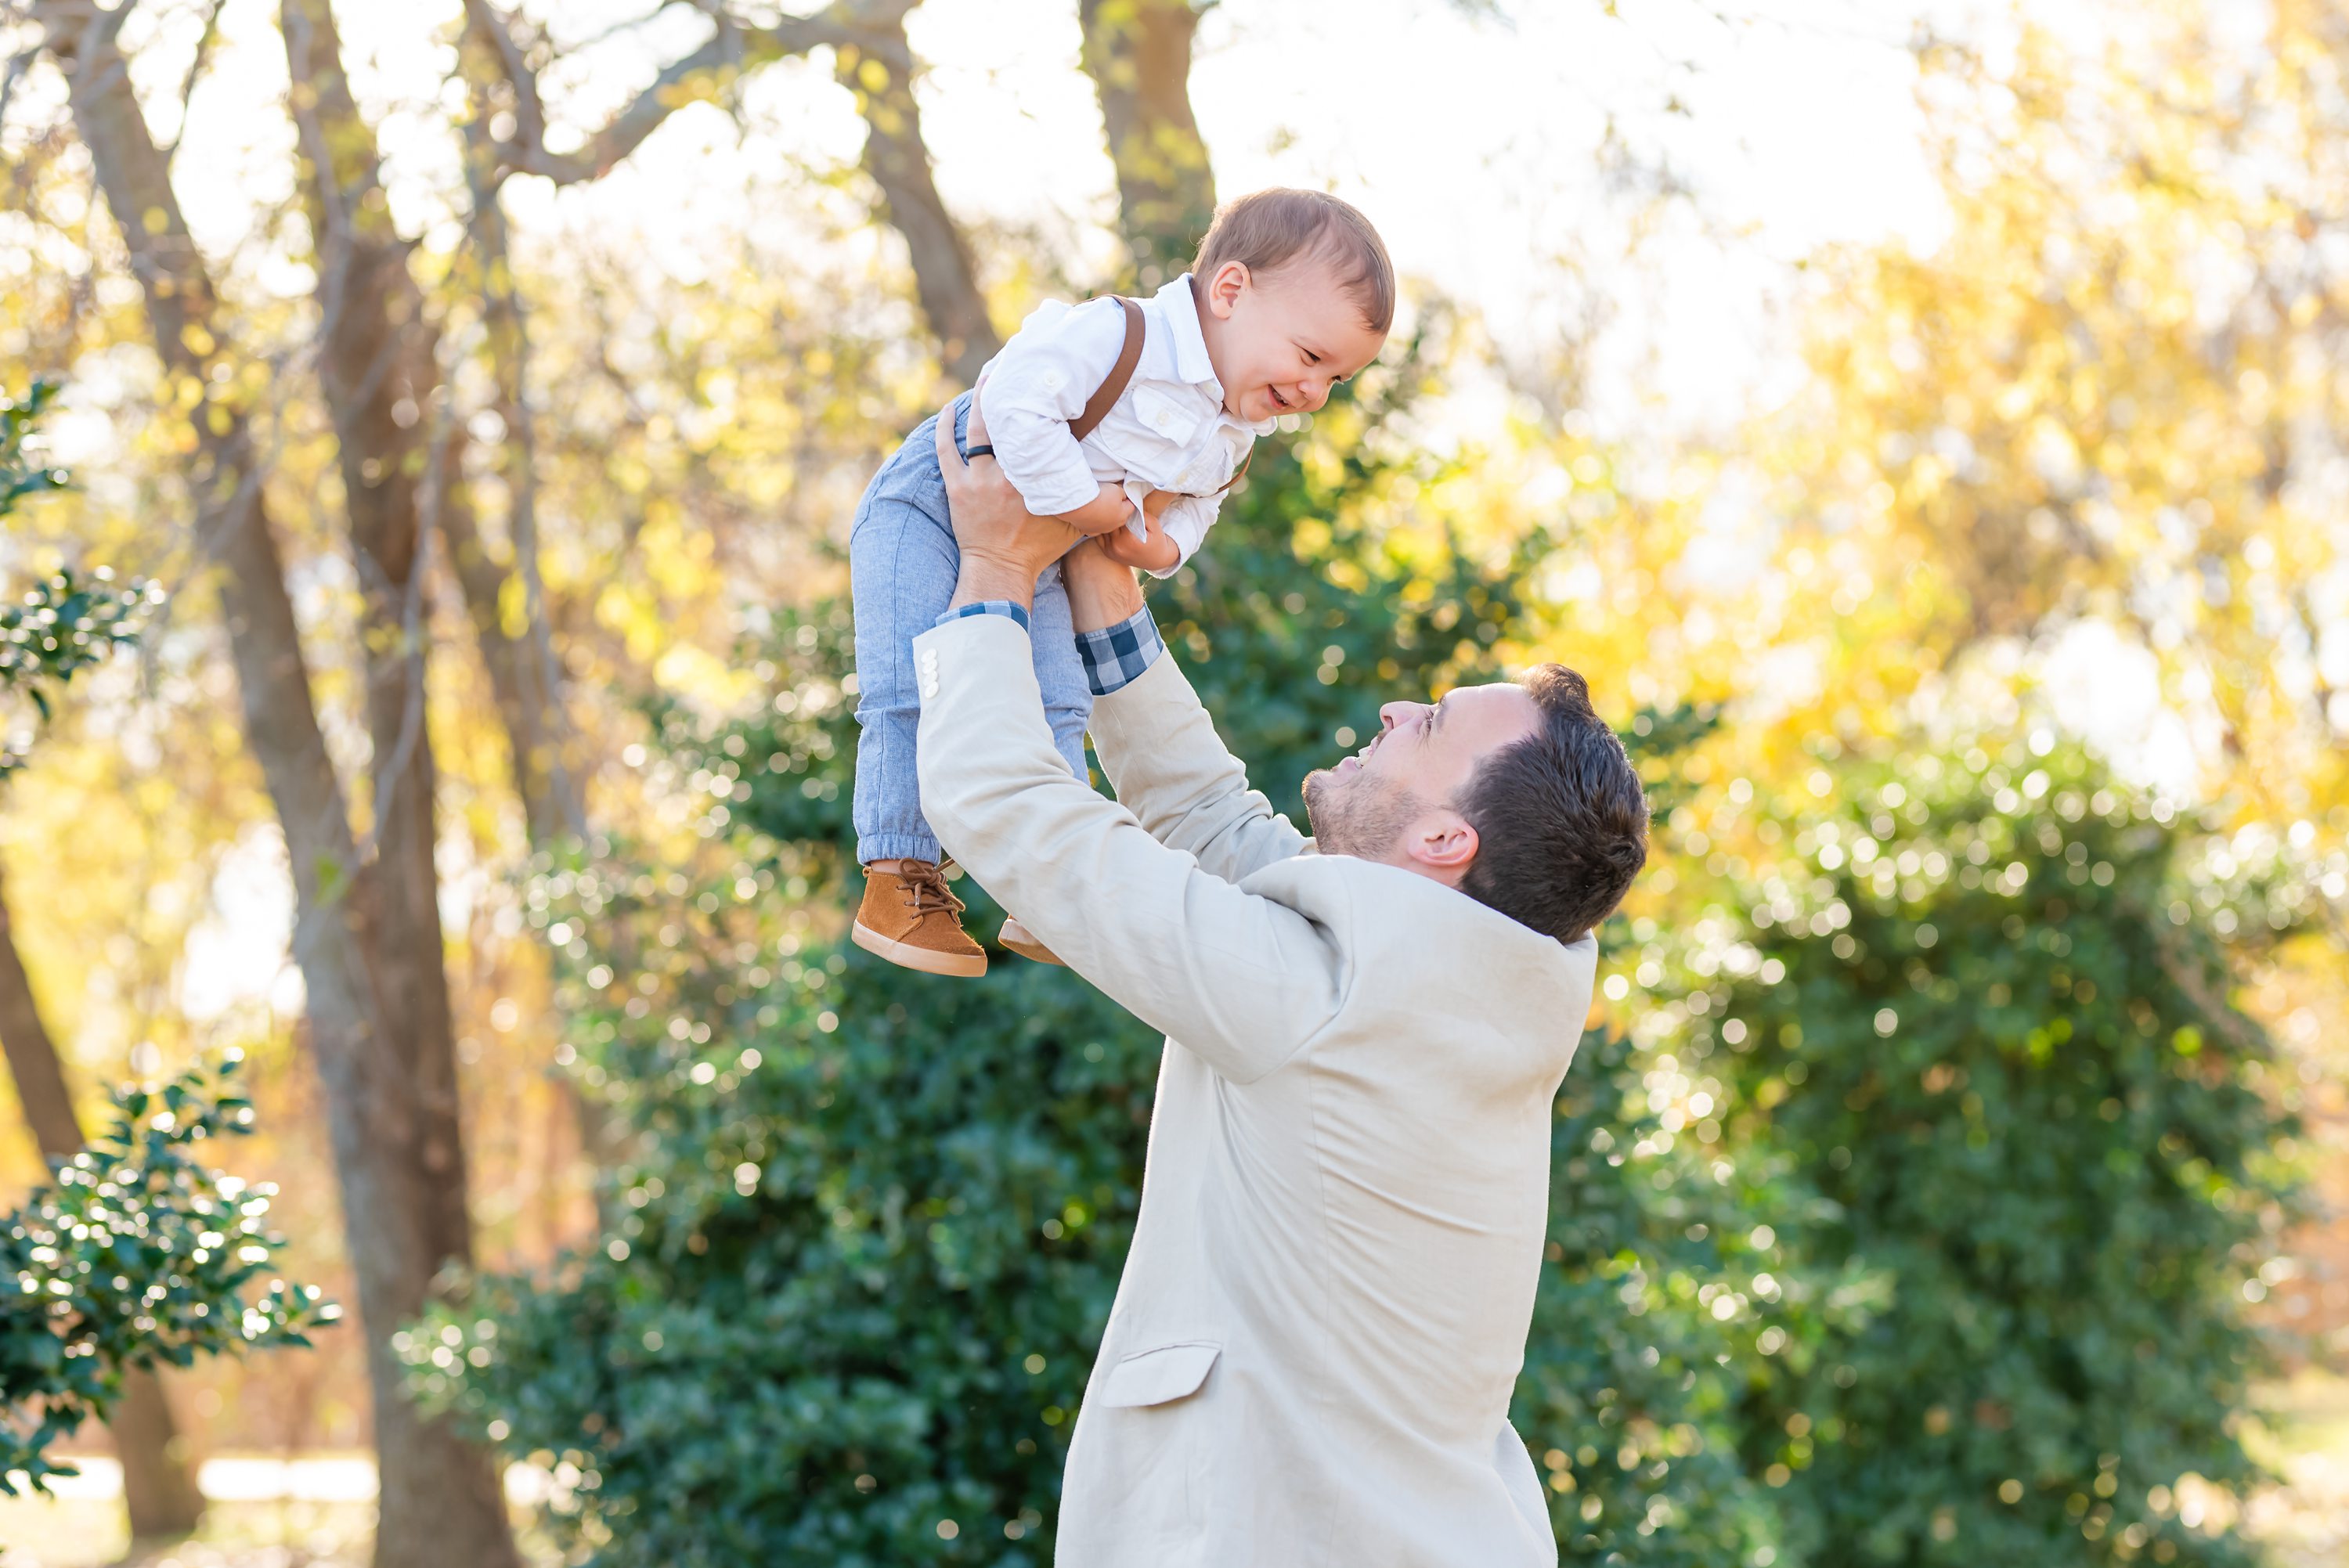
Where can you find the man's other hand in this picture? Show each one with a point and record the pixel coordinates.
(1101, 591)
(1004, 548)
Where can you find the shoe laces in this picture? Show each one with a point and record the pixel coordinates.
(926, 890)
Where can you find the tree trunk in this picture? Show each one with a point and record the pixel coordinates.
(157, 1488)
(33, 1061)
(873, 61)
(440, 1505)
(899, 162)
(547, 777)
(377, 368)
(380, 371)
(1138, 53)
(508, 604)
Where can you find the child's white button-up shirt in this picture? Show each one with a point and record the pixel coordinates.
(1168, 430)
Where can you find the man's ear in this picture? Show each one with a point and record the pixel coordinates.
(1224, 288)
(1443, 842)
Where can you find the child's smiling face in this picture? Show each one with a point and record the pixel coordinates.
(1281, 340)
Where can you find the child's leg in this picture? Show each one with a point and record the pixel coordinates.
(1061, 671)
(902, 564)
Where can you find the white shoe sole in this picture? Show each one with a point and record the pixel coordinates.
(1015, 936)
(929, 960)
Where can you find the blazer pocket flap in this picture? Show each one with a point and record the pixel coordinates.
(1163, 414)
(1158, 1377)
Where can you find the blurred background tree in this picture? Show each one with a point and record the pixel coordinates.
(501, 398)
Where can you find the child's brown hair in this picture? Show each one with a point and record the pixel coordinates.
(1267, 230)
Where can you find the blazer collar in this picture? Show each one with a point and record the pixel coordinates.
(1481, 938)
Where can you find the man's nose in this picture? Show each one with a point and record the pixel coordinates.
(1394, 713)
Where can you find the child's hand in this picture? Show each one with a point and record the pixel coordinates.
(1108, 513)
(1154, 504)
(1155, 553)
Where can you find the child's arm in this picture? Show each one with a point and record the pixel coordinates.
(1034, 388)
(1109, 511)
(1177, 525)
(1155, 552)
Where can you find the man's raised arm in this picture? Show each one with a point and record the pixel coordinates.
(1155, 739)
(1240, 979)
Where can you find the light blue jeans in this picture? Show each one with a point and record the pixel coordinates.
(902, 565)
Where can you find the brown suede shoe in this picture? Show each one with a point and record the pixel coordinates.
(911, 917)
(1015, 936)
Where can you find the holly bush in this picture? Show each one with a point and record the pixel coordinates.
(67, 620)
(135, 1252)
(1975, 1003)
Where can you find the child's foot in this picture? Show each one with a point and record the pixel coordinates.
(1016, 937)
(911, 917)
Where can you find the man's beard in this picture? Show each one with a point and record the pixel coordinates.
(1361, 818)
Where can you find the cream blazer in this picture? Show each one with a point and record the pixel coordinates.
(1325, 1308)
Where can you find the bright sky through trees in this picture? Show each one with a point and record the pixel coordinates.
(1474, 141)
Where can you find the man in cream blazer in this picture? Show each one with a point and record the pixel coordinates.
(1324, 1311)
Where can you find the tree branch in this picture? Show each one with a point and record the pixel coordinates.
(873, 61)
(1138, 54)
(204, 42)
(734, 48)
(879, 71)
(17, 65)
(530, 108)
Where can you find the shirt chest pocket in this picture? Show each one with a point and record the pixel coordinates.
(1153, 434)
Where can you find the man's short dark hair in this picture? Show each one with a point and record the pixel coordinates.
(1561, 820)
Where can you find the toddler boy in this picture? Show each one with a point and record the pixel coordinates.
(1127, 419)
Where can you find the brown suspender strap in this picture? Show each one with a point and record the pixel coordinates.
(1097, 406)
(1121, 375)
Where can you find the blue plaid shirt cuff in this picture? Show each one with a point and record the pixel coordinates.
(987, 607)
(1116, 656)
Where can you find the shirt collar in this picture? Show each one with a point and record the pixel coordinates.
(1181, 308)
(1191, 361)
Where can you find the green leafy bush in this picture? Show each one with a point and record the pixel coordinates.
(874, 1223)
(1978, 1010)
(66, 621)
(134, 1252)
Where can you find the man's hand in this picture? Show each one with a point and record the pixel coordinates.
(1004, 548)
(1101, 591)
